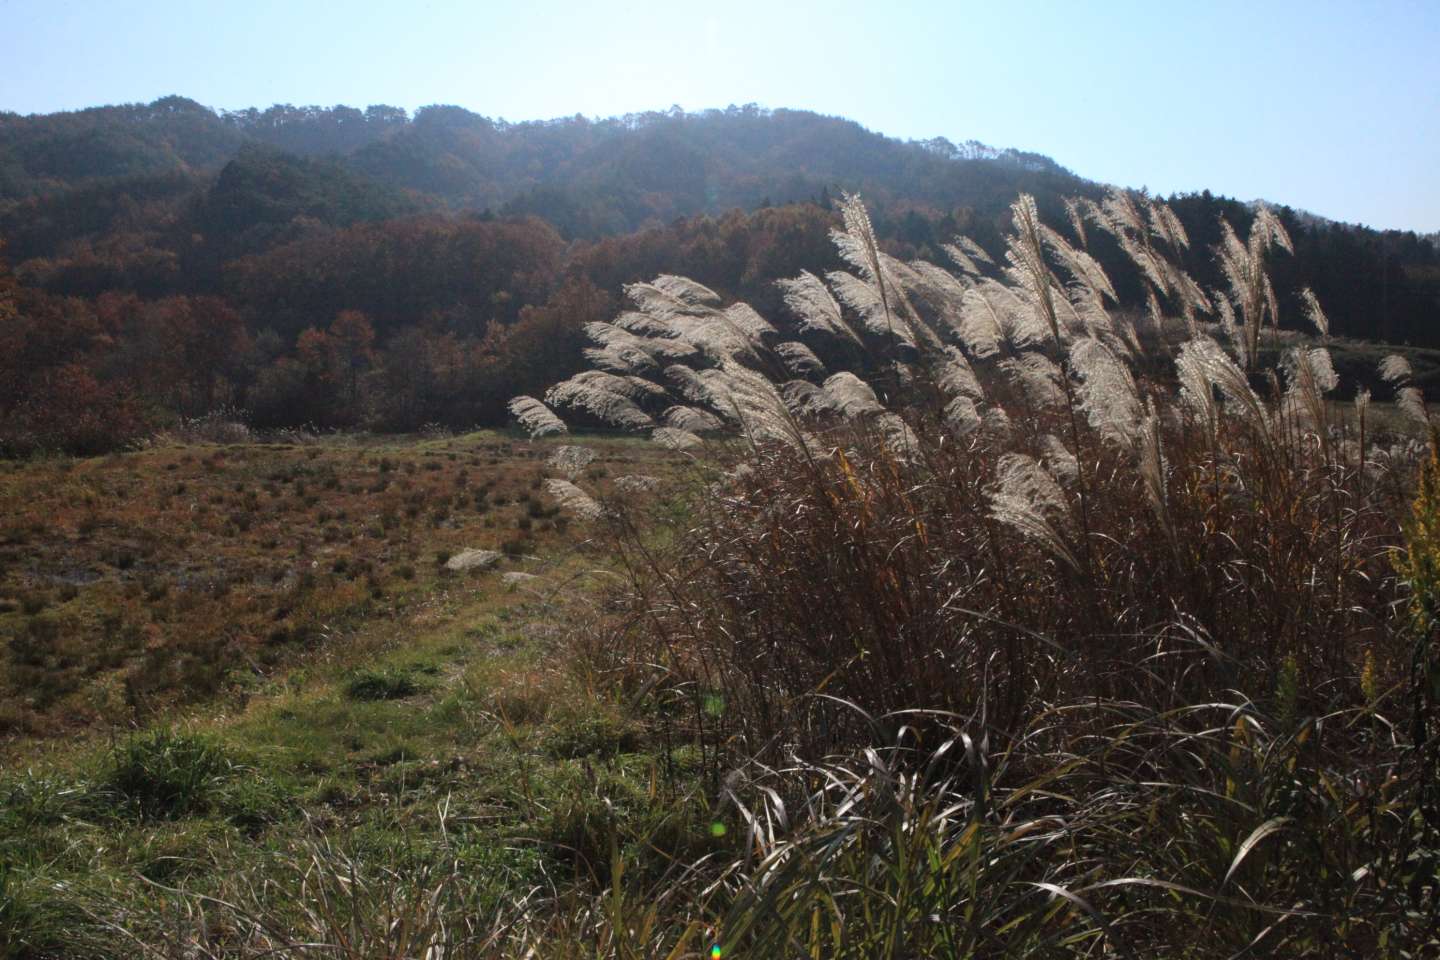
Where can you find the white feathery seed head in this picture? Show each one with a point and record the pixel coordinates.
(812, 302)
(799, 359)
(1038, 376)
(535, 417)
(962, 416)
(573, 500)
(1106, 390)
(956, 377)
(1314, 312)
(691, 419)
(570, 460)
(851, 396)
(1411, 402)
(1058, 458)
(1395, 368)
(1024, 497)
(675, 439)
(607, 396)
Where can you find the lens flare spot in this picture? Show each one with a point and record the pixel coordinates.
(714, 705)
(715, 952)
(717, 829)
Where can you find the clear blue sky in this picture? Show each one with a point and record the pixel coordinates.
(1332, 107)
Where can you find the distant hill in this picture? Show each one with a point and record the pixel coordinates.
(590, 178)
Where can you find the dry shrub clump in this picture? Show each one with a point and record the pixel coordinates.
(995, 480)
(991, 492)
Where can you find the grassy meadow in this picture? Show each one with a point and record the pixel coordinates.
(224, 660)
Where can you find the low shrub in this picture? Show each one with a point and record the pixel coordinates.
(166, 775)
(372, 685)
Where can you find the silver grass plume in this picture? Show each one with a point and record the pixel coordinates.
(1167, 226)
(644, 324)
(995, 420)
(1075, 213)
(1314, 312)
(1149, 262)
(940, 288)
(867, 301)
(683, 288)
(804, 398)
(570, 460)
(614, 335)
(716, 335)
(1197, 390)
(857, 242)
(1126, 333)
(609, 397)
(1025, 253)
(1362, 408)
(1079, 264)
(573, 500)
(1024, 496)
(799, 359)
(961, 259)
(956, 377)
(1058, 458)
(1272, 231)
(1215, 366)
(1106, 391)
(994, 315)
(754, 402)
(1309, 375)
(625, 353)
(619, 359)
(1038, 376)
(535, 417)
(811, 301)
(691, 419)
(864, 300)
(851, 396)
(1411, 402)
(1395, 369)
(662, 306)
(1243, 266)
(898, 436)
(1136, 223)
(858, 246)
(974, 250)
(691, 385)
(743, 317)
(1151, 463)
(1234, 333)
(675, 439)
(1086, 316)
(680, 308)
(1119, 213)
(962, 416)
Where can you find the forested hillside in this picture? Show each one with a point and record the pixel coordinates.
(340, 267)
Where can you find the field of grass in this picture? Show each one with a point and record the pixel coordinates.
(338, 692)
(136, 583)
